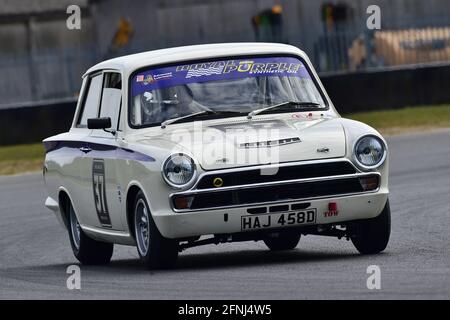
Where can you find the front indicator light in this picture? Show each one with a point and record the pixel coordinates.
(183, 202)
(369, 183)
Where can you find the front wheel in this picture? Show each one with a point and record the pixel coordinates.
(88, 251)
(154, 250)
(372, 235)
(284, 241)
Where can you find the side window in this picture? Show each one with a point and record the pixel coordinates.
(90, 107)
(111, 97)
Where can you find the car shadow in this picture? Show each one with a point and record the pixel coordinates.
(200, 261)
(239, 259)
(248, 258)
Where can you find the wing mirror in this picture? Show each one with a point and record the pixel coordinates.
(99, 123)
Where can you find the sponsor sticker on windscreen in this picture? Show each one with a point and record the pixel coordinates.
(216, 71)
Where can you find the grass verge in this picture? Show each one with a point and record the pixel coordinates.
(21, 158)
(407, 119)
(29, 157)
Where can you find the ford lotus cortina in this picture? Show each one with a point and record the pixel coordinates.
(196, 145)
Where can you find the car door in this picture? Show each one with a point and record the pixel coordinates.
(98, 167)
(88, 109)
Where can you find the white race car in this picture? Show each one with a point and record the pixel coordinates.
(181, 147)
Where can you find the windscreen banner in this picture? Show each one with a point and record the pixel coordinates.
(177, 75)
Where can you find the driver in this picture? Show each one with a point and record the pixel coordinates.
(167, 103)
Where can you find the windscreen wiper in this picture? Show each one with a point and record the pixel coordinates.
(201, 113)
(296, 104)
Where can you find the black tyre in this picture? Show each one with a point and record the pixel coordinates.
(88, 251)
(155, 251)
(284, 241)
(372, 235)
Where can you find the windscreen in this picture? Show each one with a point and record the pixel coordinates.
(236, 85)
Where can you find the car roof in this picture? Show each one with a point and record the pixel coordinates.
(130, 63)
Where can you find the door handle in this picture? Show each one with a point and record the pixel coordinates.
(85, 149)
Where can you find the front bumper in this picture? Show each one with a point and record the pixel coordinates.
(228, 220)
(311, 185)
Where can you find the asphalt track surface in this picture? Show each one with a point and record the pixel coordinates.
(35, 250)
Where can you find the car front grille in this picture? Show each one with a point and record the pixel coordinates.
(299, 182)
(255, 176)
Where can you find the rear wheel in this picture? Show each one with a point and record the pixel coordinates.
(284, 241)
(88, 251)
(154, 250)
(372, 235)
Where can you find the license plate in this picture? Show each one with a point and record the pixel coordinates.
(278, 220)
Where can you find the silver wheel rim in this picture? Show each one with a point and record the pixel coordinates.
(142, 227)
(75, 228)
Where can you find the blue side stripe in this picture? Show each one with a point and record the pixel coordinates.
(98, 150)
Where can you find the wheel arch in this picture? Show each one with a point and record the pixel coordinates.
(132, 191)
(64, 201)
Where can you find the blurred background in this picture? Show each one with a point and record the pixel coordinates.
(404, 64)
(41, 59)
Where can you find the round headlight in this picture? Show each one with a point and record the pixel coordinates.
(179, 170)
(370, 152)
